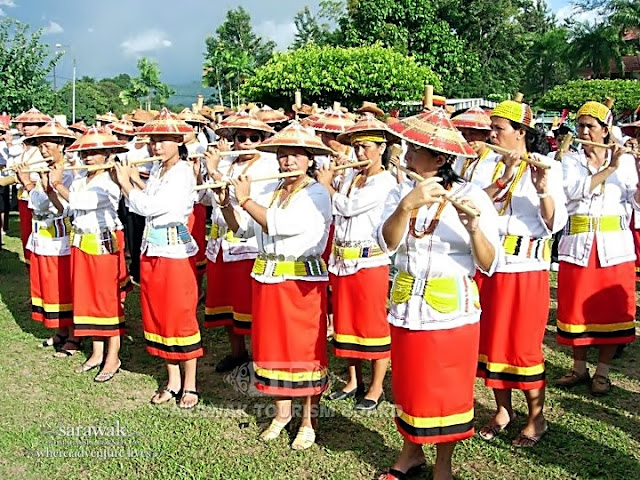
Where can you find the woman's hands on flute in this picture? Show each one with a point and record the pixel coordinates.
(242, 186)
(470, 222)
(426, 193)
(212, 160)
(23, 177)
(55, 173)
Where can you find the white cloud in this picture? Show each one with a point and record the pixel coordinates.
(571, 12)
(2, 14)
(145, 42)
(7, 3)
(281, 33)
(52, 28)
(90, 30)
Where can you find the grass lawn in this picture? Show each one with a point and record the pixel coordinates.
(46, 412)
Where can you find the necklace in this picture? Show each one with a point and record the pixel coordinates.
(278, 193)
(508, 196)
(432, 224)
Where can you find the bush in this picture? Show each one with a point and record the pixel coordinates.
(348, 75)
(574, 94)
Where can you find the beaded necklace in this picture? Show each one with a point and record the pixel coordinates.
(508, 196)
(432, 224)
(278, 193)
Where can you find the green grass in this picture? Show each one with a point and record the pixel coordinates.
(589, 438)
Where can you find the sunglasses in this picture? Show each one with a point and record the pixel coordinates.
(254, 138)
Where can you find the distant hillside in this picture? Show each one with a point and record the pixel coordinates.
(187, 94)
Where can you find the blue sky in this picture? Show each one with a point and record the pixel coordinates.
(107, 37)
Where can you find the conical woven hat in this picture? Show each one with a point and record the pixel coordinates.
(188, 116)
(33, 115)
(52, 130)
(108, 117)
(330, 121)
(166, 123)
(139, 117)
(78, 127)
(371, 108)
(475, 118)
(368, 123)
(433, 130)
(97, 138)
(123, 127)
(295, 135)
(242, 120)
(268, 115)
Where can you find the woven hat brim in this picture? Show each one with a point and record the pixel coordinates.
(66, 139)
(273, 148)
(470, 124)
(437, 139)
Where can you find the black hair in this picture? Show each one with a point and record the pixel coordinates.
(535, 138)
(386, 156)
(183, 152)
(311, 171)
(446, 172)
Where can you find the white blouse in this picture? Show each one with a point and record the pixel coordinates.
(523, 216)
(240, 248)
(93, 204)
(357, 213)
(298, 230)
(167, 202)
(444, 253)
(616, 198)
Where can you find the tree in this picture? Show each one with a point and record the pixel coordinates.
(574, 94)
(594, 46)
(147, 87)
(25, 63)
(94, 97)
(233, 53)
(548, 62)
(349, 75)
(317, 29)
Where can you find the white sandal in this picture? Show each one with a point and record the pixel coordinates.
(305, 439)
(273, 431)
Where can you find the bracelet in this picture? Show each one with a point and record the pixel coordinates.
(499, 184)
(242, 201)
(223, 205)
(543, 195)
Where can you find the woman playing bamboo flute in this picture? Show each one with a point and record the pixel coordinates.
(99, 273)
(168, 287)
(290, 281)
(596, 281)
(435, 308)
(515, 301)
(359, 269)
(50, 272)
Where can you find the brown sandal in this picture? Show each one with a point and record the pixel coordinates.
(528, 441)
(489, 432)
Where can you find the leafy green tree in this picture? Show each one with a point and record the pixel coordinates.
(146, 89)
(594, 46)
(25, 63)
(232, 54)
(548, 62)
(413, 28)
(349, 75)
(320, 28)
(574, 94)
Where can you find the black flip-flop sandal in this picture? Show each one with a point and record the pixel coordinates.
(66, 352)
(189, 392)
(173, 394)
(54, 343)
(393, 474)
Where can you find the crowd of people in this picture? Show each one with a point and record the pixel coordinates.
(310, 219)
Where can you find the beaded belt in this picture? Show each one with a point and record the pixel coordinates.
(444, 294)
(356, 252)
(165, 236)
(585, 224)
(525, 247)
(94, 243)
(56, 227)
(272, 266)
(218, 232)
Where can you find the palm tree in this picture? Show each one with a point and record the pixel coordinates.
(594, 46)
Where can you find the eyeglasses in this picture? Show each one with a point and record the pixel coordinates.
(253, 138)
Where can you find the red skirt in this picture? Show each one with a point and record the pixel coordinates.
(198, 228)
(289, 338)
(99, 284)
(360, 325)
(25, 215)
(596, 305)
(515, 310)
(51, 290)
(168, 300)
(229, 295)
(432, 381)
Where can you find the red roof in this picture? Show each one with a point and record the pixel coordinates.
(631, 65)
